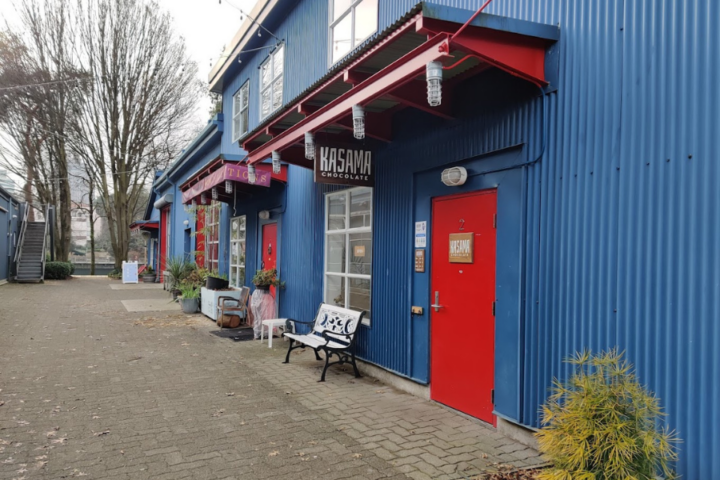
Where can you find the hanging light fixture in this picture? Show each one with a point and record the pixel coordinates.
(251, 173)
(214, 193)
(228, 186)
(309, 146)
(194, 204)
(203, 198)
(358, 114)
(434, 81)
(276, 161)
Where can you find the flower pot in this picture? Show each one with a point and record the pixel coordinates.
(149, 278)
(263, 287)
(213, 283)
(189, 305)
(175, 293)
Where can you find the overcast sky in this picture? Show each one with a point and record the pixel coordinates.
(206, 25)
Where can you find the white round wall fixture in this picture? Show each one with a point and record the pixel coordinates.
(454, 176)
(264, 214)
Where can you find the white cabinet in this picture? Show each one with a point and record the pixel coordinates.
(210, 300)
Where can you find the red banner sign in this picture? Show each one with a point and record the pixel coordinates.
(228, 171)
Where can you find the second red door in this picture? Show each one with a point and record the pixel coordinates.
(269, 249)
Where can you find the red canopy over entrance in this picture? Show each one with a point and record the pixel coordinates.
(391, 75)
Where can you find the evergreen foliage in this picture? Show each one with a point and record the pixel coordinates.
(603, 425)
(58, 270)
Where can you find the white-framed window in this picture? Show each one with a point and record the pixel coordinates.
(349, 250)
(212, 237)
(240, 117)
(351, 22)
(237, 251)
(271, 82)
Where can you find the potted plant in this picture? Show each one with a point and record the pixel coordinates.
(189, 299)
(264, 279)
(215, 281)
(148, 275)
(176, 267)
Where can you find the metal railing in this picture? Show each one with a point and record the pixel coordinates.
(45, 236)
(21, 237)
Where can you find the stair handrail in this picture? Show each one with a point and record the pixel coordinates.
(45, 236)
(21, 237)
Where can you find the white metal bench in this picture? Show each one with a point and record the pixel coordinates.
(333, 331)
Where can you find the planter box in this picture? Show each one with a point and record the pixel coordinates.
(209, 300)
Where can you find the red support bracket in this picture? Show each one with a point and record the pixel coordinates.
(393, 76)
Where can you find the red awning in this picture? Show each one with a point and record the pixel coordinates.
(144, 225)
(391, 76)
(216, 173)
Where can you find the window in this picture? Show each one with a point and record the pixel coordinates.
(212, 236)
(237, 251)
(240, 112)
(271, 82)
(348, 249)
(351, 22)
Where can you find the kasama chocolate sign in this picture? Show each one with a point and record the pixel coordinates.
(344, 166)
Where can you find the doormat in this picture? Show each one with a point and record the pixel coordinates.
(235, 334)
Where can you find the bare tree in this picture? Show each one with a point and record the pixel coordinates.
(137, 114)
(40, 77)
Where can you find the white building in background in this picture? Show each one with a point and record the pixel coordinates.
(80, 224)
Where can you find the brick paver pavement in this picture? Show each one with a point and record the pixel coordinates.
(90, 390)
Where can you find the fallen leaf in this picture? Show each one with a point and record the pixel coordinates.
(273, 454)
(99, 434)
(357, 455)
(231, 394)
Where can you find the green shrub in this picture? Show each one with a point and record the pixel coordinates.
(115, 274)
(602, 424)
(58, 270)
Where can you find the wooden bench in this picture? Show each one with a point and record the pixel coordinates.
(333, 331)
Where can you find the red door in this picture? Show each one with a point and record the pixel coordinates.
(463, 285)
(269, 249)
(200, 239)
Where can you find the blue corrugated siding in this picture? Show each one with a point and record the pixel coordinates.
(9, 230)
(622, 218)
(668, 282)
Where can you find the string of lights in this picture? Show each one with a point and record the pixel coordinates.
(44, 84)
(244, 14)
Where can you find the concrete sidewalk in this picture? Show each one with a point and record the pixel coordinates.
(92, 390)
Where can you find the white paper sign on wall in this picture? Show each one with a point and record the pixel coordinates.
(420, 234)
(130, 272)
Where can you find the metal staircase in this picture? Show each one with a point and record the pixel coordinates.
(30, 256)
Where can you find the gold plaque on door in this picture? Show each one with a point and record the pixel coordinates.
(461, 247)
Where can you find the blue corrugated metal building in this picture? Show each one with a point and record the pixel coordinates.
(606, 227)
(10, 215)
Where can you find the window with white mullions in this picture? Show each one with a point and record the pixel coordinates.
(348, 249)
(212, 237)
(351, 22)
(237, 251)
(271, 82)
(240, 112)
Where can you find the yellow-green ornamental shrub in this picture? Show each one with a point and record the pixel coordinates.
(603, 425)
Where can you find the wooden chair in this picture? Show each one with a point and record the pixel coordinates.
(232, 307)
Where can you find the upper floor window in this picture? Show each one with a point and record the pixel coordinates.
(271, 82)
(351, 22)
(240, 112)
